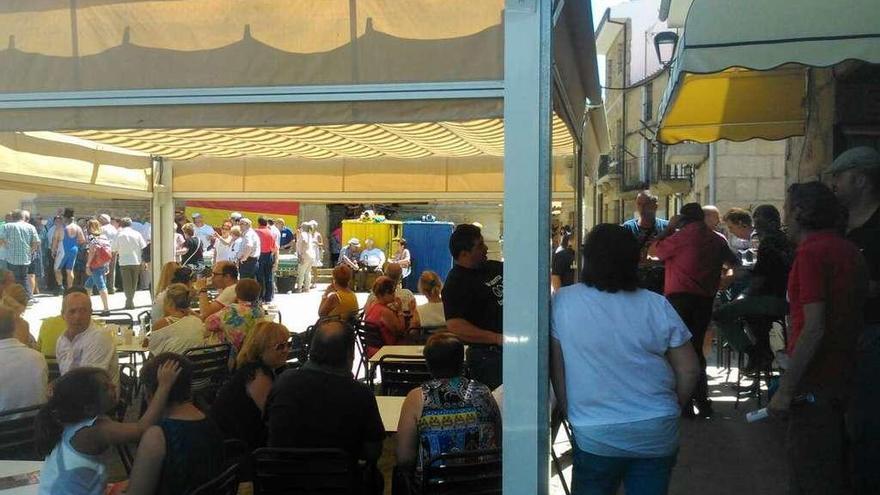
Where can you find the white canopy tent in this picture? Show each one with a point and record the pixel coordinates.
(226, 84)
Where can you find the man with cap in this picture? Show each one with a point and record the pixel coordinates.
(203, 231)
(235, 217)
(855, 180)
(110, 232)
(349, 256)
(693, 255)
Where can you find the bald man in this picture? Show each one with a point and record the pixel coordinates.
(83, 343)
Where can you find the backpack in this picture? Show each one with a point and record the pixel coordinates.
(103, 254)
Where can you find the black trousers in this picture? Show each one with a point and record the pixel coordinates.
(264, 277)
(696, 312)
(248, 268)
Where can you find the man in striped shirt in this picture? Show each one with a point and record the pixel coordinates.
(21, 240)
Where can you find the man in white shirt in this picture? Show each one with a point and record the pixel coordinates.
(129, 245)
(84, 343)
(203, 231)
(224, 277)
(248, 258)
(110, 232)
(305, 255)
(23, 369)
(372, 261)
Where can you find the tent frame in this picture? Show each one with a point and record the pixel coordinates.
(530, 86)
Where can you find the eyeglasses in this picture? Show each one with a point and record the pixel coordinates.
(282, 346)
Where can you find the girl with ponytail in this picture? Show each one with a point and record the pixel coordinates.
(74, 429)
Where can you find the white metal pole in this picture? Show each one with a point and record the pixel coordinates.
(527, 97)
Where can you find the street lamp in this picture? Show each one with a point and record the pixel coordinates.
(665, 43)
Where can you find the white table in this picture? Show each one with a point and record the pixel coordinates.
(399, 350)
(389, 409)
(12, 468)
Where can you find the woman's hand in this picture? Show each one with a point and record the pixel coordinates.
(167, 374)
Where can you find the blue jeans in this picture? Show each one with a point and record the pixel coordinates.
(96, 279)
(599, 475)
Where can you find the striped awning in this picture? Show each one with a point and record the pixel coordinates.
(484, 137)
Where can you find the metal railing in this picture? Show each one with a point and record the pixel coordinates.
(631, 177)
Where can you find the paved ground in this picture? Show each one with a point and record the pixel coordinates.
(722, 456)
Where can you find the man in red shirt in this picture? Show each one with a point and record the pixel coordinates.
(268, 255)
(693, 255)
(826, 290)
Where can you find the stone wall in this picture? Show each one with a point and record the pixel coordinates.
(48, 205)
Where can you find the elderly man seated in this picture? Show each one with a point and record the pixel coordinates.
(321, 405)
(84, 343)
(23, 369)
(372, 261)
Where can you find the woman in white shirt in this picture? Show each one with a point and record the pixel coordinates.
(223, 243)
(431, 313)
(622, 366)
(179, 330)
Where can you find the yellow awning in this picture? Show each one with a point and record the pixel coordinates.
(736, 105)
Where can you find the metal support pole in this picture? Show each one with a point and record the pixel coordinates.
(580, 198)
(162, 242)
(527, 108)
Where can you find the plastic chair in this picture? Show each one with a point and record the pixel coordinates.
(463, 473)
(226, 483)
(401, 373)
(17, 434)
(283, 471)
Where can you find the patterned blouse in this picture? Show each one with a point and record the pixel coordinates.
(458, 415)
(232, 324)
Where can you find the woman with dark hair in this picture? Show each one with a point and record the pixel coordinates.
(386, 313)
(402, 257)
(623, 378)
(74, 426)
(193, 256)
(448, 413)
(184, 449)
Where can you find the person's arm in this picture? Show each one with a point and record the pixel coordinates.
(472, 334)
(557, 376)
(555, 283)
(106, 432)
(408, 429)
(328, 303)
(258, 390)
(394, 320)
(683, 360)
(147, 468)
(80, 236)
(382, 259)
(807, 345)
(91, 254)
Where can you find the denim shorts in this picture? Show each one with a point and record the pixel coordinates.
(600, 475)
(97, 278)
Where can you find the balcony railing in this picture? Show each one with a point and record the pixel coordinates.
(673, 171)
(608, 165)
(631, 178)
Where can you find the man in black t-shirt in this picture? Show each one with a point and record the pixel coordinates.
(321, 405)
(562, 273)
(473, 299)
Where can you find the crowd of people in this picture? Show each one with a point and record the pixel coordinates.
(796, 291)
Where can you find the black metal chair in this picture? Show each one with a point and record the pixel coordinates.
(308, 471)
(54, 369)
(366, 335)
(557, 422)
(464, 473)
(127, 391)
(210, 371)
(298, 353)
(401, 373)
(17, 434)
(145, 322)
(224, 484)
(124, 320)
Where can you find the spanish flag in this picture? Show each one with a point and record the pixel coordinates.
(215, 212)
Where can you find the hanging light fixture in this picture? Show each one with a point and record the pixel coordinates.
(664, 44)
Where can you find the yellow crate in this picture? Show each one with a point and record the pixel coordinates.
(381, 233)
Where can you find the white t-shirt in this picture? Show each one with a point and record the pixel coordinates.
(227, 296)
(223, 252)
(432, 314)
(130, 245)
(616, 371)
(109, 231)
(178, 337)
(406, 298)
(206, 234)
(96, 346)
(25, 375)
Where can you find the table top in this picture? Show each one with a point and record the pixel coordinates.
(12, 468)
(400, 350)
(135, 345)
(389, 409)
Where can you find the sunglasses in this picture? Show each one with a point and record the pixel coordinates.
(282, 346)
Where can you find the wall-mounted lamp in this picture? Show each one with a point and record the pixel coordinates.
(665, 44)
